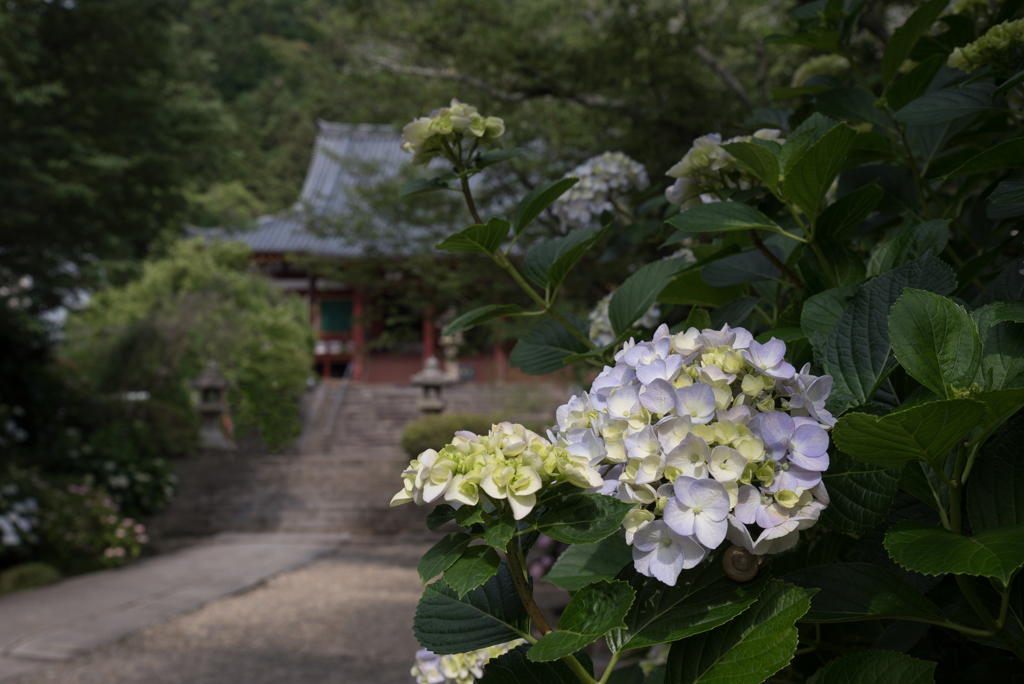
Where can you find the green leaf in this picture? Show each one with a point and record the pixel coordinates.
(581, 564)
(1000, 405)
(722, 217)
(995, 490)
(441, 514)
(1005, 155)
(945, 105)
(1002, 344)
(851, 103)
(841, 218)
(860, 494)
(544, 349)
(803, 136)
(697, 318)
(689, 288)
(500, 533)
(473, 568)
(579, 518)
(734, 312)
(909, 244)
(857, 354)
(1007, 311)
(703, 598)
(997, 552)
(809, 176)
(634, 297)
(850, 592)
(418, 187)
(875, 667)
(595, 610)
(486, 159)
(478, 239)
(537, 200)
(488, 615)
(469, 515)
(473, 318)
(903, 39)
(549, 261)
(748, 650)
(935, 341)
(914, 84)
(441, 555)
(515, 667)
(920, 433)
(757, 159)
(822, 312)
(1009, 192)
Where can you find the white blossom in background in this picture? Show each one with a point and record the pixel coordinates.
(458, 668)
(510, 463)
(424, 137)
(601, 180)
(16, 516)
(713, 436)
(706, 169)
(601, 332)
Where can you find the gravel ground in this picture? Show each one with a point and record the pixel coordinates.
(346, 618)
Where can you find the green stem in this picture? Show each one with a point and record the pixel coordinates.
(935, 494)
(776, 262)
(956, 489)
(826, 265)
(970, 464)
(611, 666)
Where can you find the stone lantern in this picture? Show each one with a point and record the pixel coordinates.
(212, 387)
(433, 380)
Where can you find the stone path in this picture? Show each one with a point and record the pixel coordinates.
(75, 616)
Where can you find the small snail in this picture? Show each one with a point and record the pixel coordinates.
(741, 565)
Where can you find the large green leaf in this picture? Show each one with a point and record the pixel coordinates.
(915, 83)
(1002, 344)
(995, 489)
(580, 518)
(549, 261)
(689, 288)
(936, 341)
(940, 106)
(920, 433)
(903, 39)
(722, 217)
(1005, 155)
(857, 354)
(595, 610)
(634, 297)
(544, 349)
(482, 314)
(809, 176)
(748, 650)
(820, 314)
(875, 667)
(441, 555)
(488, 615)
(482, 161)
(424, 185)
(515, 667)
(1000, 405)
(581, 564)
(996, 552)
(757, 159)
(703, 598)
(849, 211)
(477, 239)
(537, 200)
(473, 568)
(860, 494)
(851, 103)
(803, 136)
(850, 592)
(908, 245)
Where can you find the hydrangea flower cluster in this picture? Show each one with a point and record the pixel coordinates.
(992, 48)
(509, 463)
(601, 332)
(17, 516)
(601, 179)
(458, 668)
(707, 168)
(822, 65)
(713, 436)
(425, 137)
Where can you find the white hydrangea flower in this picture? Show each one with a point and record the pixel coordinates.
(706, 169)
(601, 180)
(423, 138)
(713, 436)
(456, 668)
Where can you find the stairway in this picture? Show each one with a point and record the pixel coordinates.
(342, 479)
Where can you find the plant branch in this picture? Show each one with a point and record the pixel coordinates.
(611, 666)
(775, 261)
(727, 76)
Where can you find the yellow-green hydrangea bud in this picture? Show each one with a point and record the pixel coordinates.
(991, 49)
(822, 65)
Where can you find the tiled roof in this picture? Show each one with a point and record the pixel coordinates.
(345, 155)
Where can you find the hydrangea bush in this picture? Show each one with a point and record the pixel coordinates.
(818, 422)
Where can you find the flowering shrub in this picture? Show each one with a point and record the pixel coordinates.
(603, 181)
(837, 441)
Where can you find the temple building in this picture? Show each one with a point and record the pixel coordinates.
(347, 156)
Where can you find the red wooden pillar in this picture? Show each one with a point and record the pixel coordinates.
(314, 320)
(429, 342)
(358, 336)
